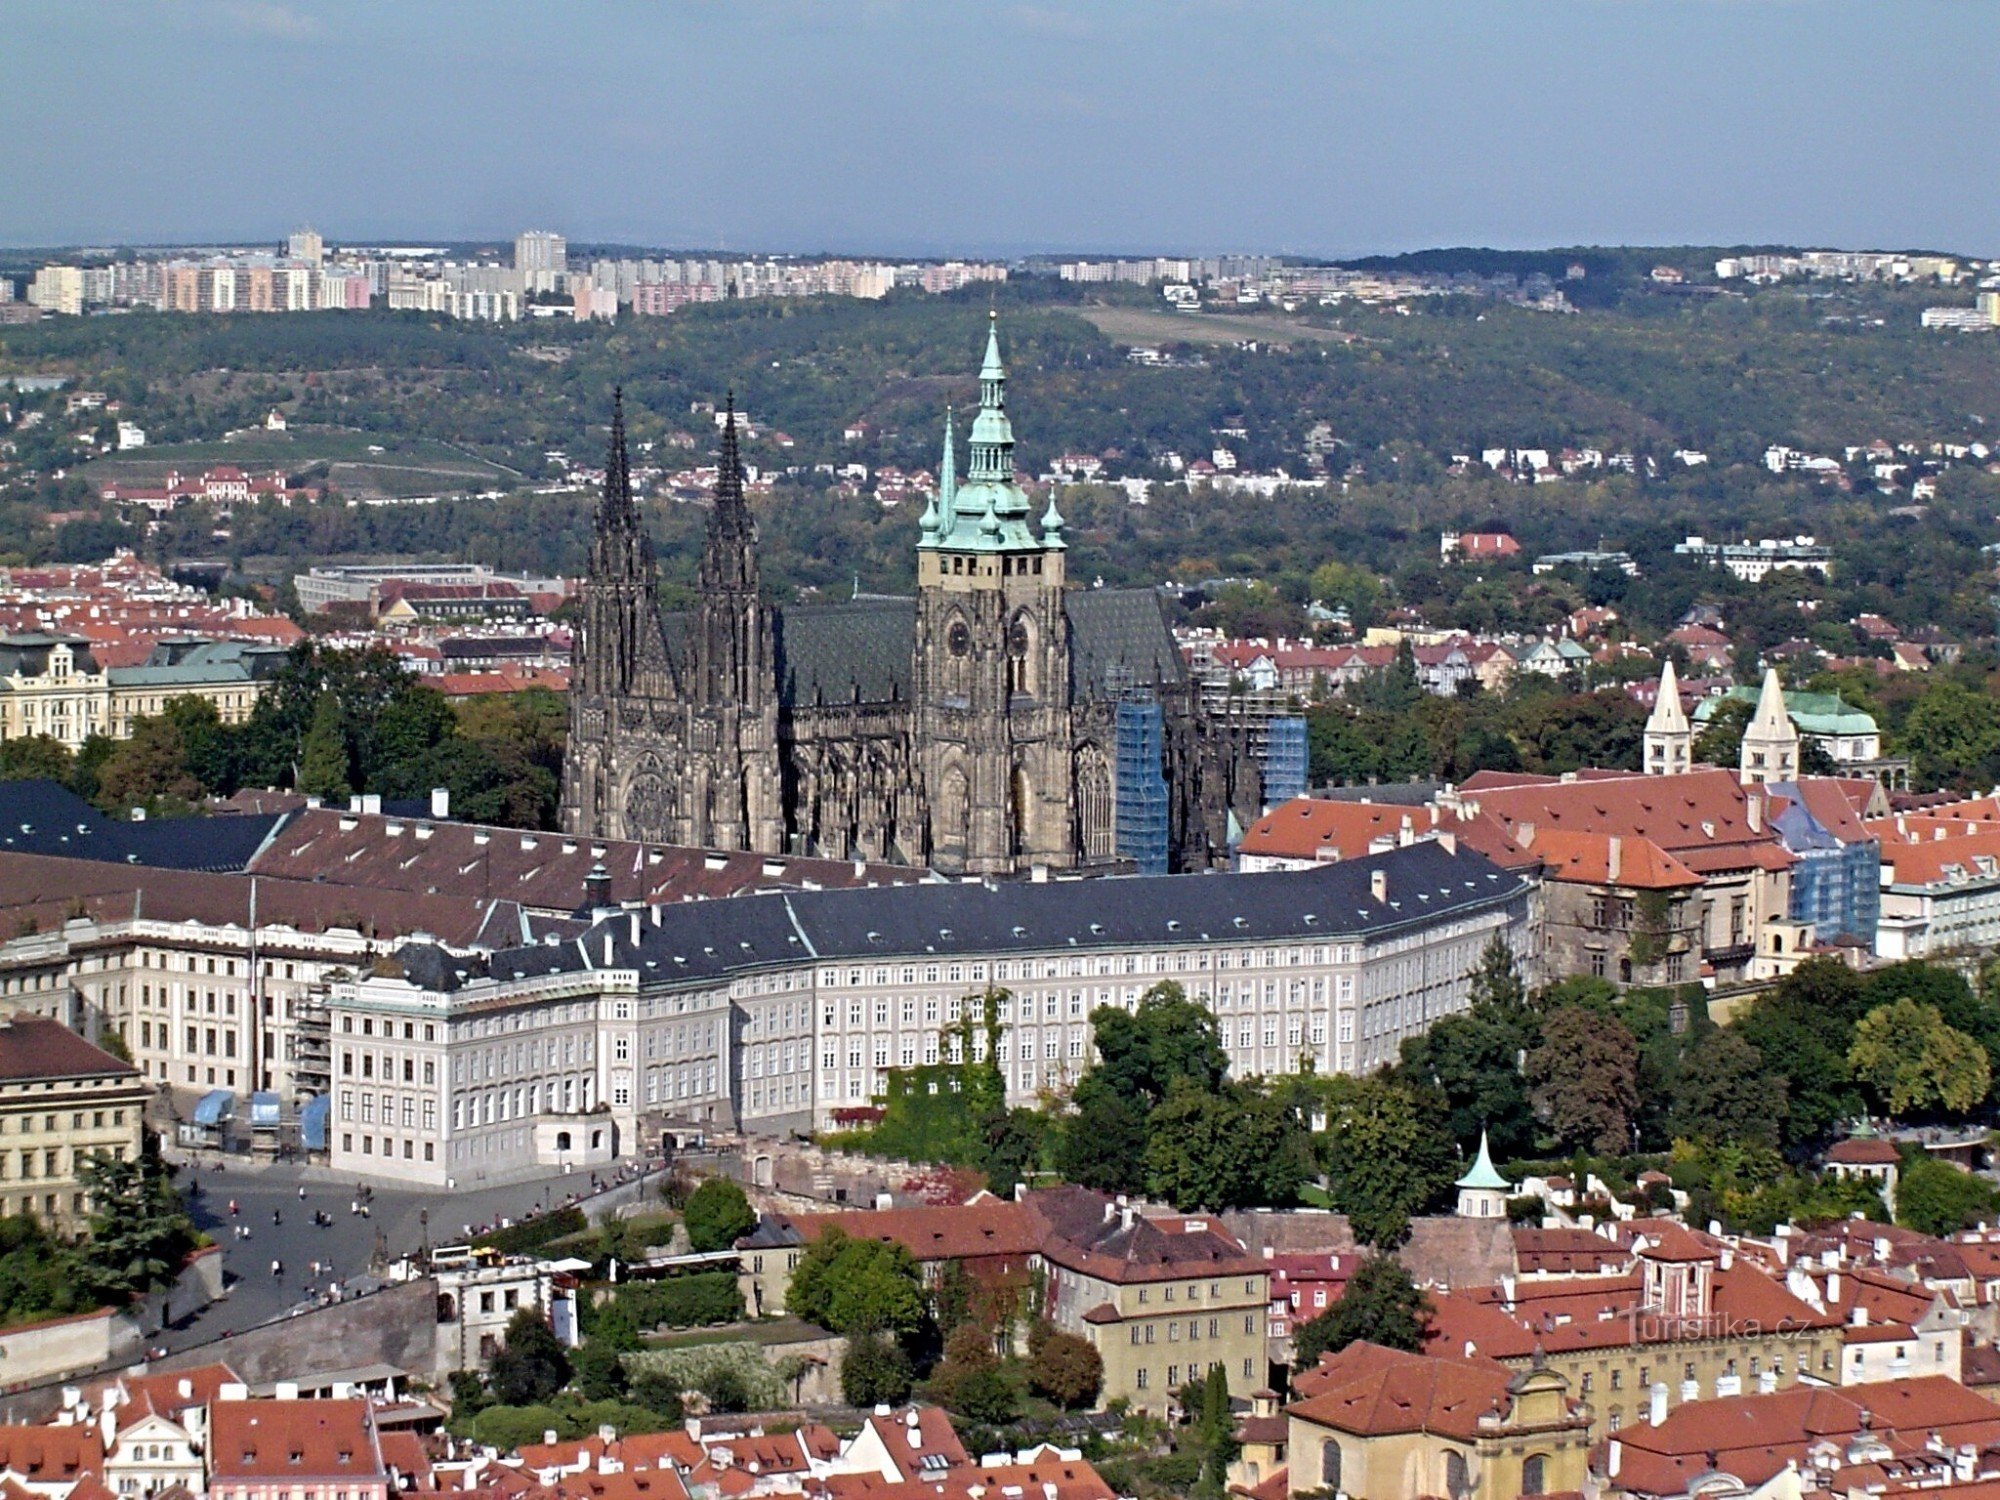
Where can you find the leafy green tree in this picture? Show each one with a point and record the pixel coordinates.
(659, 1393)
(1064, 1368)
(1720, 742)
(1907, 1056)
(1952, 734)
(1014, 1147)
(149, 770)
(1168, 1036)
(531, 1365)
(718, 1215)
(1389, 1156)
(1230, 1149)
(139, 1228)
(875, 1372)
(1585, 1075)
(323, 760)
(33, 757)
(598, 1371)
(1723, 1093)
(1102, 1144)
(1380, 1304)
(1474, 1060)
(969, 1382)
(1802, 1029)
(856, 1286)
(1497, 985)
(1934, 1197)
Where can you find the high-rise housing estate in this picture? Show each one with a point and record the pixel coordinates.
(306, 245)
(542, 257)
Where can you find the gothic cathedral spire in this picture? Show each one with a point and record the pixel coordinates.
(729, 553)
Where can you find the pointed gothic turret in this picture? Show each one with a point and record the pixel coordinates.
(729, 554)
(1771, 741)
(1483, 1192)
(1669, 736)
(938, 514)
(614, 506)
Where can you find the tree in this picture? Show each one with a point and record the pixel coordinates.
(1907, 1056)
(33, 757)
(139, 1229)
(856, 1286)
(1232, 1149)
(1474, 1060)
(1720, 742)
(876, 1372)
(1585, 1075)
(599, 1371)
(531, 1365)
(1952, 733)
(149, 770)
(1380, 1304)
(968, 1381)
(1802, 1028)
(323, 763)
(1168, 1036)
(1389, 1155)
(1722, 1093)
(718, 1215)
(1936, 1198)
(1103, 1144)
(1496, 979)
(1066, 1369)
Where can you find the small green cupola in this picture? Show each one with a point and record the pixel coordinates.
(1482, 1191)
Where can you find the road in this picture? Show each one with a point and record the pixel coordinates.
(395, 1225)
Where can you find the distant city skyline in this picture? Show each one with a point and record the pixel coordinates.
(890, 128)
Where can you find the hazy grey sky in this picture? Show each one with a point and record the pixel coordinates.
(938, 126)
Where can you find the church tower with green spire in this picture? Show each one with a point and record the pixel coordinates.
(991, 675)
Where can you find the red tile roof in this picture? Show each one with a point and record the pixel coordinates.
(47, 1454)
(291, 1440)
(1371, 1391)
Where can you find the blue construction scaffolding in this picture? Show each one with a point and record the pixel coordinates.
(1285, 760)
(1140, 792)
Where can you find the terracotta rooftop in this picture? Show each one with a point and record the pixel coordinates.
(286, 1441)
(1371, 1391)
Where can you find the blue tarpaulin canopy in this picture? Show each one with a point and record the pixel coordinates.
(264, 1111)
(216, 1106)
(313, 1120)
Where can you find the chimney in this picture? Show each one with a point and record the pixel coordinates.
(1378, 885)
(1753, 812)
(371, 803)
(441, 802)
(1524, 833)
(1614, 1459)
(1507, 1293)
(885, 1200)
(1656, 1412)
(1833, 1286)
(186, 1388)
(597, 887)
(1449, 842)
(1860, 1316)
(285, 1390)
(549, 1437)
(1614, 859)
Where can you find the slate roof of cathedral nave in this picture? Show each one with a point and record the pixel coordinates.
(861, 650)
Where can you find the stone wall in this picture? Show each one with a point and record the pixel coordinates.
(395, 1326)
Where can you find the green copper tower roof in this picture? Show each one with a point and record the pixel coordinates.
(1484, 1174)
(989, 511)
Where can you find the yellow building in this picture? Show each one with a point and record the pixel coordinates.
(1687, 1322)
(1164, 1301)
(51, 685)
(1378, 1424)
(62, 1100)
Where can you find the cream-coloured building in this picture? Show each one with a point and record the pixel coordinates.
(51, 685)
(777, 1011)
(1378, 1424)
(62, 1100)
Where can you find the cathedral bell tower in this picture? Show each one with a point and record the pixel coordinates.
(990, 678)
(616, 655)
(736, 801)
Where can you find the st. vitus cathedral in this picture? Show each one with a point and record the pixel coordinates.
(972, 728)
